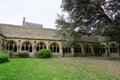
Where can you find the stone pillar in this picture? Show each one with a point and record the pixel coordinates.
(48, 45)
(119, 47)
(4, 44)
(82, 49)
(72, 52)
(19, 45)
(108, 49)
(60, 49)
(92, 50)
(34, 46)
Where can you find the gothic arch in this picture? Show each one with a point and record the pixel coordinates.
(97, 49)
(54, 47)
(87, 49)
(77, 48)
(11, 45)
(41, 45)
(27, 46)
(103, 48)
(66, 50)
(113, 48)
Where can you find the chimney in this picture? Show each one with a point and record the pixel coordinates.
(23, 21)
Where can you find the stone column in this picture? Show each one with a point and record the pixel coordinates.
(92, 50)
(34, 46)
(4, 44)
(19, 45)
(82, 49)
(60, 49)
(108, 49)
(48, 45)
(72, 52)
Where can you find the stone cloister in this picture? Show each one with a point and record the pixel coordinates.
(58, 49)
(32, 39)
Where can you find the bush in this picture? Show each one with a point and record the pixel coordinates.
(4, 57)
(44, 53)
(23, 54)
(6, 51)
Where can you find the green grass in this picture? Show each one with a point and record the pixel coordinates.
(59, 69)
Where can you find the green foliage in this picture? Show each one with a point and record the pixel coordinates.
(3, 57)
(12, 54)
(92, 15)
(6, 51)
(68, 31)
(44, 53)
(88, 12)
(23, 54)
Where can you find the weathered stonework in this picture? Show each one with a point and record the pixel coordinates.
(12, 37)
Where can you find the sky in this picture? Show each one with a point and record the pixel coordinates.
(36, 11)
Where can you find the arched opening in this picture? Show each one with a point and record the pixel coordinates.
(54, 48)
(40, 45)
(87, 50)
(66, 50)
(77, 48)
(97, 50)
(103, 48)
(113, 48)
(27, 46)
(11, 45)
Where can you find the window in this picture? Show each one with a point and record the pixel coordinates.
(41, 45)
(102, 48)
(113, 48)
(97, 49)
(77, 48)
(11, 45)
(54, 47)
(66, 50)
(87, 48)
(27, 46)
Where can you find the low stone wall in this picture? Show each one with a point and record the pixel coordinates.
(114, 55)
(56, 55)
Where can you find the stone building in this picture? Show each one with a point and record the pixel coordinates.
(33, 37)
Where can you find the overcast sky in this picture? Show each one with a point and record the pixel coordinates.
(36, 11)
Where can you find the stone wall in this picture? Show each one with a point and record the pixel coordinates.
(27, 32)
(0, 43)
(20, 34)
(19, 43)
(16, 31)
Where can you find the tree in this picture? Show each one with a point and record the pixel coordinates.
(68, 32)
(89, 16)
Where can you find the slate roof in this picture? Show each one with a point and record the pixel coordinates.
(16, 31)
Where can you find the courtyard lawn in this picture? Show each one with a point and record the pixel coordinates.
(60, 69)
